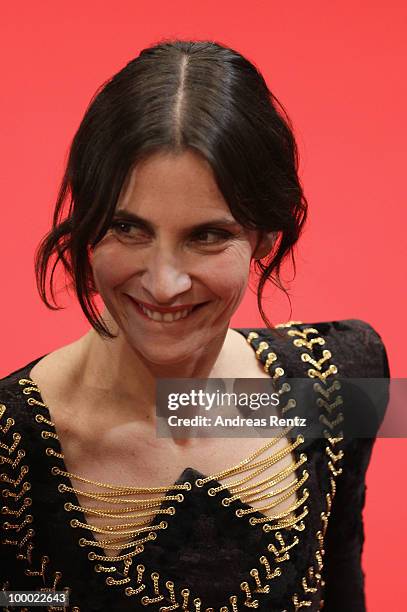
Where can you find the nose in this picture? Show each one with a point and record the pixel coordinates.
(165, 277)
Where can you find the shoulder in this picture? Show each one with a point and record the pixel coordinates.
(349, 352)
(9, 381)
(355, 347)
(12, 400)
(17, 426)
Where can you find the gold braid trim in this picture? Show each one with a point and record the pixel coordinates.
(20, 486)
(313, 581)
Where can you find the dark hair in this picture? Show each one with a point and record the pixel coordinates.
(174, 96)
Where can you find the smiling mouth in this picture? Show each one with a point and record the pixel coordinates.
(167, 317)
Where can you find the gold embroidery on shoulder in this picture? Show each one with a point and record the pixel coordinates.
(319, 358)
(288, 324)
(18, 503)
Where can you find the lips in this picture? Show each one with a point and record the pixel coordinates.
(163, 309)
(195, 307)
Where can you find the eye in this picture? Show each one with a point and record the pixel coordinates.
(218, 236)
(128, 230)
(125, 229)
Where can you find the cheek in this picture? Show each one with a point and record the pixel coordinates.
(111, 267)
(228, 274)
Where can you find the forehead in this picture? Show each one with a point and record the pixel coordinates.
(171, 182)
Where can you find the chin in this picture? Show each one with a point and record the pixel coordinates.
(162, 356)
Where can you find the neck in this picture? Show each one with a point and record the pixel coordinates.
(113, 369)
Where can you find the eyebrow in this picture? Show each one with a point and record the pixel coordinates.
(133, 218)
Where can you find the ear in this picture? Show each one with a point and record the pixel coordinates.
(265, 243)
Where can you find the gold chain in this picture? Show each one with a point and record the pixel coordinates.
(275, 503)
(244, 467)
(269, 481)
(120, 489)
(248, 499)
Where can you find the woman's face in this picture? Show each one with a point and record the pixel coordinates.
(173, 242)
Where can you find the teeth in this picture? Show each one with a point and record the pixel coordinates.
(167, 316)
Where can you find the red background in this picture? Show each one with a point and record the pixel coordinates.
(339, 69)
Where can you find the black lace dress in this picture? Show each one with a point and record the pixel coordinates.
(208, 553)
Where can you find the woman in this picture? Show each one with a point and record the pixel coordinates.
(182, 174)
